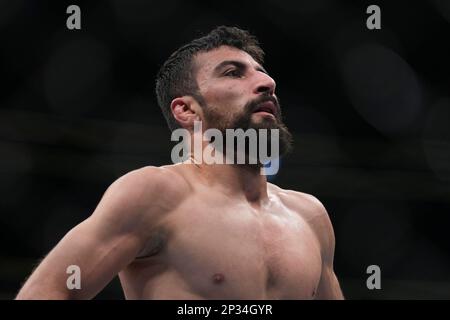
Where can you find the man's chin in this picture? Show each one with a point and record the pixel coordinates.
(263, 122)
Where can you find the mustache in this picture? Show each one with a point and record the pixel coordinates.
(255, 104)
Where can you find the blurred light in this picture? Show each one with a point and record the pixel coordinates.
(382, 87)
(271, 167)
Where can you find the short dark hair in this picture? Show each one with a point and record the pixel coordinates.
(176, 77)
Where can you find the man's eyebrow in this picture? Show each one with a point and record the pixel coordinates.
(237, 64)
(261, 68)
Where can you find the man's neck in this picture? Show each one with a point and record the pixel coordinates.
(238, 180)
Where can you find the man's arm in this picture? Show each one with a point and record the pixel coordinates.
(329, 287)
(103, 244)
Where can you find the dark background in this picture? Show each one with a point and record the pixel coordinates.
(370, 111)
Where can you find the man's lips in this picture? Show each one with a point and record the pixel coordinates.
(266, 107)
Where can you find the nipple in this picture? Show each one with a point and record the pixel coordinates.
(218, 278)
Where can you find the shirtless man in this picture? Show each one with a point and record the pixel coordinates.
(202, 231)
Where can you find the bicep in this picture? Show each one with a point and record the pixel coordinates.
(99, 254)
(100, 246)
(328, 287)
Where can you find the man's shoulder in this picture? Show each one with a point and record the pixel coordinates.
(151, 177)
(311, 210)
(157, 187)
(305, 204)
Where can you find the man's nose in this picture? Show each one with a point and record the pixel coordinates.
(264, 84)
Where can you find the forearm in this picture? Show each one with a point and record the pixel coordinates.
(40, 287)
(38, 292)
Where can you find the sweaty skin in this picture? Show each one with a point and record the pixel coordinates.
(172, 234)
(219, 245)
(197, 231)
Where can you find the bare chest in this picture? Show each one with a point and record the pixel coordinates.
(235, 252)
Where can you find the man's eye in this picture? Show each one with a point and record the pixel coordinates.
(233, 73)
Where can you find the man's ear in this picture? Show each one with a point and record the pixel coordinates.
(185, 111)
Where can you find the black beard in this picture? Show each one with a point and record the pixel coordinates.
(244, 121)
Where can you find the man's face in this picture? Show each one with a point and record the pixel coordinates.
(237, 93)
